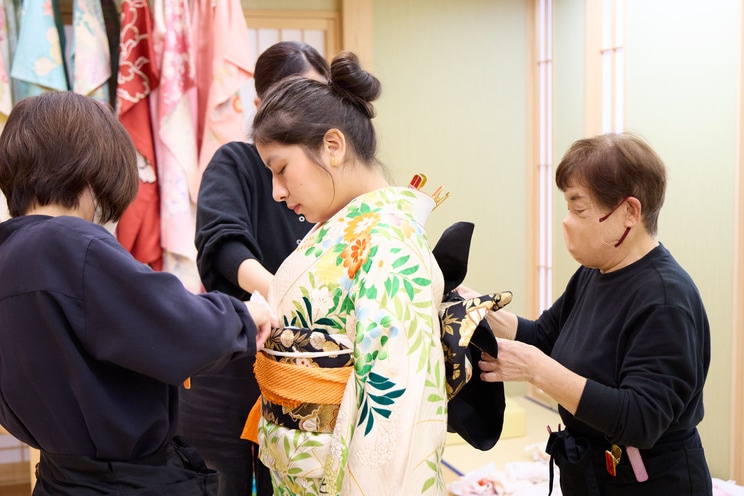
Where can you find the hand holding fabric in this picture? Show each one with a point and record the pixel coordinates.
(515, 362)
(263, 317)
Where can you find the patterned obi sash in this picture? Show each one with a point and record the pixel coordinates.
(300, 389)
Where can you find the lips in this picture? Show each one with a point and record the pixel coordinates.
(295, 208)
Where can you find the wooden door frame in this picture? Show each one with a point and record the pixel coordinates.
(357, 30)
(736, 456)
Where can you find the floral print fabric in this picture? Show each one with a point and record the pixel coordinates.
(364, 280)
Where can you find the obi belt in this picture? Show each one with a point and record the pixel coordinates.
(308, 398)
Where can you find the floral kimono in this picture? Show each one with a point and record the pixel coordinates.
(359, 297)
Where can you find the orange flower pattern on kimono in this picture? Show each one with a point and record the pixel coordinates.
(365, 283)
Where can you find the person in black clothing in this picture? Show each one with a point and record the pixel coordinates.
(625, 350)
(242, 236)
(94, 344)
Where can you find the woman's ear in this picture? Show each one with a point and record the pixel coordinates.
(334, 147)
(634, 211)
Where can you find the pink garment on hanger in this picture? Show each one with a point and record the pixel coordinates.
(175, 134)
(223, 65)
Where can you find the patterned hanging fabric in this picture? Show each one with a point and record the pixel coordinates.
(38, 61)
(6, 100)
(91, 56)
(113, 30)
(223, 65)
(139, 228)
(175, 139)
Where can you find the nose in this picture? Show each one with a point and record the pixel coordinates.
(278, 191)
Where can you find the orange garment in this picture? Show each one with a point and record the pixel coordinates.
(292, 385)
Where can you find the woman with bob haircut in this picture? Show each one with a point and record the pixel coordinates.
(94, 343)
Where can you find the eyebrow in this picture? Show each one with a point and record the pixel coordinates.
(267, 162)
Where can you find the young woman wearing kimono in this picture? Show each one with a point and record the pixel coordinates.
(353, 387)
(242, 236)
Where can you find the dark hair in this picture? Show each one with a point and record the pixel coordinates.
(55, 145)
(285, 59)
(614, 166)
(299, 111)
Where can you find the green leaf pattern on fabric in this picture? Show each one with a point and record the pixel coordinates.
(368, 274)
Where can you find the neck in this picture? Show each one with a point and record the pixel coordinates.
(53, 211)
(364, 180)
(85, 208)
(632, 250)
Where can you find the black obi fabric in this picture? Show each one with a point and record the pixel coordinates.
(476, 408)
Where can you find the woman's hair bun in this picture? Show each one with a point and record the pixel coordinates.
(353, 83)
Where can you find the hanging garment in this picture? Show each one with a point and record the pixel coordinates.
(38, 61)
(223, 65)
(139, 228)
(175, 139)
(6, 100)
(91, 58)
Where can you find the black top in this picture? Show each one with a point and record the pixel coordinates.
(237, 219)
(640, 335)
(93, 343)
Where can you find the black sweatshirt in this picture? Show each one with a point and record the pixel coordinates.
(237, 219)
(93, 344)
(641, 337)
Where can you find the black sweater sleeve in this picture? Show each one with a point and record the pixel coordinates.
(225, 223)
(641, 338)
(238, 219)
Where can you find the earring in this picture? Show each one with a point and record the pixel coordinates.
(334, 161)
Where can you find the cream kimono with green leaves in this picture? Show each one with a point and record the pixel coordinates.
(364, 280)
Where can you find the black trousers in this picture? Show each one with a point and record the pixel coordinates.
(176, 469)
(212, 414)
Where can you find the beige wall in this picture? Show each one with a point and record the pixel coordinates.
(454, 107)
(682, 95)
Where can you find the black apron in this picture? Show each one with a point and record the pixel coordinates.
(177, 469)
(676, 466)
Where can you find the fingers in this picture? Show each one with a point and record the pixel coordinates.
(466, 292)
(262, 335)
(263, 319)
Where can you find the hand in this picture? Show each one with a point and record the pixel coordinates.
(262, 316)
(467, 293)
(516, 362)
